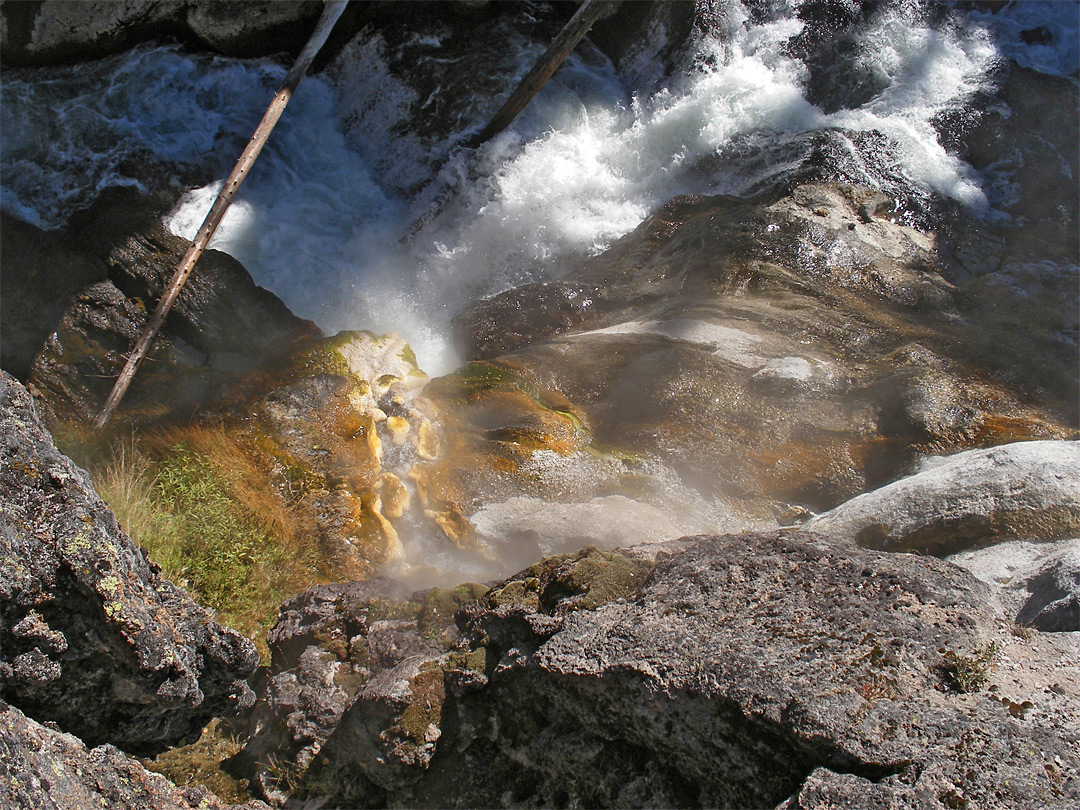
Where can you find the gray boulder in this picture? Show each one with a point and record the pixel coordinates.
(1026, 490)
(91, 636)
(754, 670)
(44, 769)
(328, 644)
(1037, 583)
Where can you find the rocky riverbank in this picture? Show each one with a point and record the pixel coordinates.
(787, 668)
(771, 502)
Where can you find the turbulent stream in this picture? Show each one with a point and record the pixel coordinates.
(320, 220)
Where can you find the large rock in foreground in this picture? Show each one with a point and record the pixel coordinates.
(44, 769)
(739, 671)
(1022, 490)
(91, 636)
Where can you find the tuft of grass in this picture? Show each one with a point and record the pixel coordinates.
(968, 673)
(199, 763)
(212, 520)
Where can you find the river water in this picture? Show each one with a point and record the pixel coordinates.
(319, 220)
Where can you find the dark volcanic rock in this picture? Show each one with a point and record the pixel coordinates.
(222, 326)
(45, 769)
(91, 635)
(743, 670)
(328, 643)
(39, 272)
(60, 31)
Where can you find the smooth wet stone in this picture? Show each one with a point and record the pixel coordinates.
(794, 350)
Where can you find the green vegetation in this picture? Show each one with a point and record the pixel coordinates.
(211, 520)
(968, 673)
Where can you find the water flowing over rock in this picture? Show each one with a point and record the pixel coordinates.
(93, 637)
(1028, 490)
(793, 350)
(727, 671)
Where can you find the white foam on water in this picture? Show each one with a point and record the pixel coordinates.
(585, 164)
(1059, 18)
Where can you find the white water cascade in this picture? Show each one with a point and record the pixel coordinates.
(587, 162)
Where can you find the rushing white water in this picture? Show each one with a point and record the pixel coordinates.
(588, 164)
(320, 218)
(584, 166)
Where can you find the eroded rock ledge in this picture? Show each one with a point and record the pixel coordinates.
(45, 769)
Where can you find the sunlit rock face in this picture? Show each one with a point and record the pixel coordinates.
(790, 351)
(972, 499)
(763, 669)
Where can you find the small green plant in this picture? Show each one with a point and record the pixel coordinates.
(211, 521)
(968, 673)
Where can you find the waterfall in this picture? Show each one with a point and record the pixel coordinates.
(319, 220)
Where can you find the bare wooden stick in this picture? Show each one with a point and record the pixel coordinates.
(545, 67)
(330, 15)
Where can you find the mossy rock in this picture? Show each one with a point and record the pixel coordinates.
(436, 617)
(582, 581)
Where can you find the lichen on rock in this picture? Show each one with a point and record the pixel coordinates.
(92, 636)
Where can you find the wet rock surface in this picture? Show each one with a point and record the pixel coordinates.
(746, 670)
(791, 350)
(61, 31)
(339, 424)
(39, 275)
(93, 637)
(42, 768)
(975, 498)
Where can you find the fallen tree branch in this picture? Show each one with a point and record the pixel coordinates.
(560, 47)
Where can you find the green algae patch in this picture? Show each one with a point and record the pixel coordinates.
(419, 723)
(468, 661)
(325, 357)
(199, 763)
(436, 615)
